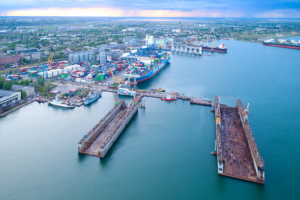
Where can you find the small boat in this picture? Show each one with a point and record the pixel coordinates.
(167, 98)
(61, 103)
(91, 97)
(40, 100)
(213, 153)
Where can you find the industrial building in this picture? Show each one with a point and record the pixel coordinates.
(28, 89)
(159, 41)
(131, 40)
(78, 57)
(9, 59)
(8, 97)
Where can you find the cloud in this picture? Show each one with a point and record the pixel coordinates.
(113, 12)
(280, 13)
(165, 8)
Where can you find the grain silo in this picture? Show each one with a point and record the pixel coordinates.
(75, 58)
(102, 56)
(86, 56)
(71, 58)
(91, 56)
(81, 57)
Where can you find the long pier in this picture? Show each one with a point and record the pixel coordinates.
(101, 137)
(237, 153)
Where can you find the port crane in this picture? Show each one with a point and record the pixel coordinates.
(116, 80)
(212, 46)
(186, 42)
(50, 57)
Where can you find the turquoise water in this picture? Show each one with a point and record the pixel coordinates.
(164, 153)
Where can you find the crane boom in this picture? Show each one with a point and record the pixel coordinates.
(50, 57)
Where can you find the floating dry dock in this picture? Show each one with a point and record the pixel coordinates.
(102, 136)
(237, 153)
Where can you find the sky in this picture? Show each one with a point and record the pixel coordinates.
(153, 8)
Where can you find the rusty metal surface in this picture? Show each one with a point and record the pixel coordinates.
(235, 148)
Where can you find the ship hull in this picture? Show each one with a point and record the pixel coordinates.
(60, 105)
(91, 101)
(282, 45)
(152, 73)
(214, 49)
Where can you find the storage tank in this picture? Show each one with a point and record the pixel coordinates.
(102, 56)
(86, 56)
(81, 55)
(91, 56)
(71, 58)
(76, 58)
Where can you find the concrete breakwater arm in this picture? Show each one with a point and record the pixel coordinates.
(258, 161)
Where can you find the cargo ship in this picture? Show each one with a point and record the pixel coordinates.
(91, 97)
(293, 44)
(146, 67)
(221, 48)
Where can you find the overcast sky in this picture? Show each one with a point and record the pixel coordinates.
(153, 8)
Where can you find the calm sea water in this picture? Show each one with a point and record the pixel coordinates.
(164, 153)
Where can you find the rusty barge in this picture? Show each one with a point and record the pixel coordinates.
(235, 147)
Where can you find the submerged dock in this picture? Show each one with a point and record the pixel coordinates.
(237, 153)
(101, 137)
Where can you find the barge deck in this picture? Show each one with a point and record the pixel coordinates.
(237, 153)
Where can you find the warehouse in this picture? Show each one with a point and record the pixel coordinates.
(28, 89)
(9, 97)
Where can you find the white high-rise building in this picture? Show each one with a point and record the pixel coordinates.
(149, 40)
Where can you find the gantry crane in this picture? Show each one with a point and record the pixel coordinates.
(50, 57)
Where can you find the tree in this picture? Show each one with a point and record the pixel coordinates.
(35, 85)
(48, 86)
(41, 81)
(7, 85)
(4, 50)
(25, 60)
(2, 81)
(23, 94)
(10, 72)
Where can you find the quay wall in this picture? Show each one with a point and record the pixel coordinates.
(218, 136)
(258, 161)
